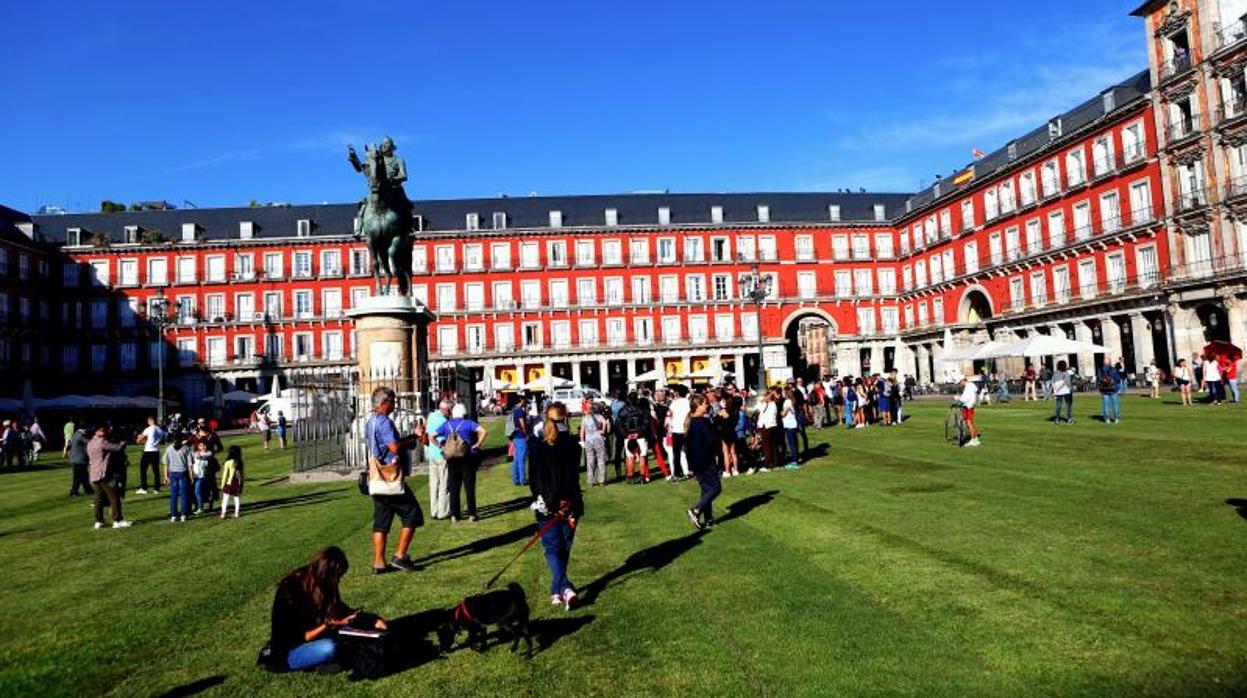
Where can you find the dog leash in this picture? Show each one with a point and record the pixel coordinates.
(559, 516)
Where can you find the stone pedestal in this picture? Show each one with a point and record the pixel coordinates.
(391, 334)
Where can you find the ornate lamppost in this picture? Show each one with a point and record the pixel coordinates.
(756, 287)
(158, 316)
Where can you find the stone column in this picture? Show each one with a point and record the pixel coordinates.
(1111, 332)
(576, 370)
(630, 371)
(603, 377)
(922, 364)
(1086, 362)
(739, 358)
(1141, 335)
(876, 357)
(1236, 314)
(1187, 333)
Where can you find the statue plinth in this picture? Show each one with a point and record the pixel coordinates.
(392, 346)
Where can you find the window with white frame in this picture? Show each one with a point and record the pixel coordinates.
(1133, 143)
(420, 292)
(561, 334)
(472, 221)
(129, 272)
(272, 304)
(500, 220)
(188, 353)
(991, 205)
(1147, 270)
(746, 248)
(724, 327)
(930, 230)
(1026, 187)
(190, 232)
(556, 253)
(946, 223)
(215, 351)
(880, 212)
(1075, 170)
(331, 302)
(1056, 229)
(642, 331)
(99, 313)
(530, 294)
(995, 248)
(716, 214)
(1039, 288)
(446, 301)
(1110, 212)
(891, 325)
(936, 266)
(473, 257)
(949, 264)
(530, 255)
(883, 246)
(1086, 278)
(611, 217)
(866, 321)
(617, 335)
(764, 214)
(588, 331)
(214, 307)
(840, 247)
(1140, 202)
(1115, 269)
(1050, 178)
(613, 287)
(504, 337)
(664, 215)
(920, 274)
(503, 300)
(612, 253)
(666, 250)
(1013, 245)
(937, 310)
(923, 315)
(807, 285)
(274, 347)
(127, 311)
(720, 250)
(1082, 221)
(766, 248)
(444, 256)
(695, 287)
(559, 297)
(303, 309)
(694, 249)
(358, 296)
(721, 287)
(419, 258)
(244, 306)
(887, 282)
(862, 282)
(186, 270)
(244, 267)
(1060, 284)
(214, 268)
(500, 256)
(909, 316)
(99, 357)
(586, 292)
(1006, 196)
(332, 343)
(585, 254)
(1034, 237)
(359, 262)
(967, 214)
(641, 290)
(1102, 155)
(698, 329)
(861, 247)
(127, 356)
(671, 329)
(833, 212)
(748, 326)
(448, 340)
(638, 251)
(1017, 293)
(69, 358)
(302, 267)
(273, 266)
(303, 228)
(804, 245)
(331, 263)
(844, 283)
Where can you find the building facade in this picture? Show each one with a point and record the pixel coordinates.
(1119, 222)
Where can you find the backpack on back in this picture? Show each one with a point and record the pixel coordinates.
(455, 446)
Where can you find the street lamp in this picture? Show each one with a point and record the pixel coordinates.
(158, 315)
(756, 288)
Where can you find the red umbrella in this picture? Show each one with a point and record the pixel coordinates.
(1223, 348)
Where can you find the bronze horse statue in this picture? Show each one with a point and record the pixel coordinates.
(385, 219)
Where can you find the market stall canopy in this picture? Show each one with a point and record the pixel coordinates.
(548, 383)
(654, 374)
(1045, 345)
(233, 396)
(972, 353)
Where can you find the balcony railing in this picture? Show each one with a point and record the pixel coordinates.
(1232, 109)
(1176, 66)
(1192, 200)
(1185, 127)
(1232, 33)
(1236, 187)
(1133, 153)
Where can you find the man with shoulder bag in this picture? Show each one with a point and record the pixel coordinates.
(388, 468)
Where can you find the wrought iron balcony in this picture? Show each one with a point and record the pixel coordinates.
(1185, 127)
(1175, 66)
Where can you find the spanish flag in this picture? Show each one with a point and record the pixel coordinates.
(977, 153)
(963, 177)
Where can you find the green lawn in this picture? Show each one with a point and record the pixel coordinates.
(1083, 559)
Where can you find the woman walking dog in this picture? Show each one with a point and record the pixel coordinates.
(554, 478)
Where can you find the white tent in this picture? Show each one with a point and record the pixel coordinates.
(143, 402)
(102, 401)
(548, 383)
(972, 353)
(64, 402)
(650, 376)
(1046, 345)
(231, 396)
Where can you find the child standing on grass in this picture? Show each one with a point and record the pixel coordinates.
(201, 471)
(177, 473)
(231, 475)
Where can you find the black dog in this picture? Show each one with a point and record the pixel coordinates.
(505, 608)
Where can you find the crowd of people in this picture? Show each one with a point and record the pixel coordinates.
(191, 467)
(21, 442)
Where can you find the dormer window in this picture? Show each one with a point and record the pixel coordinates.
(472, 221)
(716, 214)
(556, 219)
(935, 190)
(764, 214)
(500, 220)
(612, 217)
(130, 234)
(73, 236)
(246, 230)
(880, 212)
(1013, 151)
(833, 212)
(304, 228)
(190, 232)
(1054, 129)
(664, 215)
(1109, 101)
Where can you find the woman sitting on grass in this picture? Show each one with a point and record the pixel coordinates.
(307, 613)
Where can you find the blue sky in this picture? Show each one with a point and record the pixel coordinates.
(219, 103)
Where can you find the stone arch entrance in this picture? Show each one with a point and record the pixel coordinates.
(975, 307)
(809, 335)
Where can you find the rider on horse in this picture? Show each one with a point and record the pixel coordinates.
(395, 175)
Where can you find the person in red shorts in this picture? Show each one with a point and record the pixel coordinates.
(969, 394)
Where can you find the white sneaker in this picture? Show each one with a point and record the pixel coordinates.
(556, 599)
(182, 519)
(98, 525)
(173, 519)
(972, 442)
(140, 491)
(121, 524)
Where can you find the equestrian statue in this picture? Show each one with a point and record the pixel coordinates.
(385, 216)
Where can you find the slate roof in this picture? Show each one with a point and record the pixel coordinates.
(1126, 95)
(522, 212)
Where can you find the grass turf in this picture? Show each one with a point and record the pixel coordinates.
(1087, 559)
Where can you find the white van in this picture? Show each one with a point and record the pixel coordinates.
(573, 398)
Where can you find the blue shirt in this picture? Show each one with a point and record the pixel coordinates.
(465, 428)
(435, 422)
(518, 419)
(381, 433)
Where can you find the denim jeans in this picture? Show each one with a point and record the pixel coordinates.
(557, 542)
(711, 483)
(790, 436)
(1110, 406)
(518, 474)
(312, 654)
(1232, 384)
(203, 492)
(1066, 401)
(179, 490)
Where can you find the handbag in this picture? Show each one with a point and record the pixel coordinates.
(388, 479)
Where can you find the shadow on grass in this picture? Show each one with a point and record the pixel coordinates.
(194, 687)
(499, 508)
(479, 546)
(741, 507)
(547, 631)
(817, 451)
(297, 500)
(920, 489)
(1240, 505)
(650, 559)
(33, 468)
